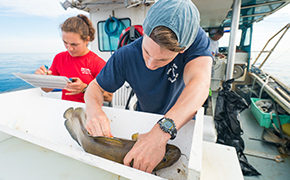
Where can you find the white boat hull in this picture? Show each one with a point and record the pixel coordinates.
(39, 120)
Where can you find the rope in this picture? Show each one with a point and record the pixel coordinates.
(113, 32)
(266, 82)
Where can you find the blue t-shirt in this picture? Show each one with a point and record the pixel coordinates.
(156, 90)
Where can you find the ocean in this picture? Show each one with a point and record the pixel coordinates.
(20, 63)
(28, 63)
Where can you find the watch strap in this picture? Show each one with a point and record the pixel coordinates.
(84, 90)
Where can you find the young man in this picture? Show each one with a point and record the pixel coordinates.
(169, 69)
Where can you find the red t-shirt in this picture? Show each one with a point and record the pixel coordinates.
(85, 67)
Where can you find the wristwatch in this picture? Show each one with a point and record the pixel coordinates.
(167, 125)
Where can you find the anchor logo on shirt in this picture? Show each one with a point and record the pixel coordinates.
(172, 73)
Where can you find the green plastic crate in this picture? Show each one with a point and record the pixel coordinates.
(264, 118)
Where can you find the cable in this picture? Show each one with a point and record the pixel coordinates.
(266, 82)
(127, 39)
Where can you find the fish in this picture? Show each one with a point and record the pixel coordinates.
(114, 149)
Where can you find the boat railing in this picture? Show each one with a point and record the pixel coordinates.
(274, 93)
(284, 30)
(280, 92)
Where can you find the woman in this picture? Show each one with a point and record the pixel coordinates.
(77, 63)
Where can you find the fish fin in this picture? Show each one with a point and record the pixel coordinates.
(135, 136)
(109, 141)
(68, 113)
(71, 132)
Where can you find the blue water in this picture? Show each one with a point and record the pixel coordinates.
(28, 63)
(20, 63)
(277, 65)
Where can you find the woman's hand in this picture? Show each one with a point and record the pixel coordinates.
(75, 87)
(43, 71)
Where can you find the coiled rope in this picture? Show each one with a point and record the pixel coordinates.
(114, 31)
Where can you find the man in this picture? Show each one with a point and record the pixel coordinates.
(169, 69)
(214, 37)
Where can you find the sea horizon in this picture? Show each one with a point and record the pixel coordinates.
(28, 62)
(20, 63)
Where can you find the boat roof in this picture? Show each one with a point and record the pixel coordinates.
(255, 11)
(213, 13)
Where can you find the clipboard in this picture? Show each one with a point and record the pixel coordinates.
(45, 81)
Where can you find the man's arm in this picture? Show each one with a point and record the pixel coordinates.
(108, 96)
(97, 123)
(150, 147)
(197, 76)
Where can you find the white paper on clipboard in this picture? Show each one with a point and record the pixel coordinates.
(37, 80)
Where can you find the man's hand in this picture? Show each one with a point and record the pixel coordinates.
(149, 150)
(98, 124)
(221, 55)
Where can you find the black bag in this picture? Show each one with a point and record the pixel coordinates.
(228, 106)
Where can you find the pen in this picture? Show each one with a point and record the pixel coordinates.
(72, 79)
(46, 67)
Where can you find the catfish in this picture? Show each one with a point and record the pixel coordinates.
(114, 149)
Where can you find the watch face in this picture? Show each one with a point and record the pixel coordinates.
(167, 124)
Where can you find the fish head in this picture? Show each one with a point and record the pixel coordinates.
(172, 155)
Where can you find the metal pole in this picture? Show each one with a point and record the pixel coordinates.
(233, 38)
(285, 27)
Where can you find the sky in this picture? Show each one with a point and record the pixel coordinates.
(32, 26)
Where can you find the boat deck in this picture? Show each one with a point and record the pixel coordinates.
(269, 169)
